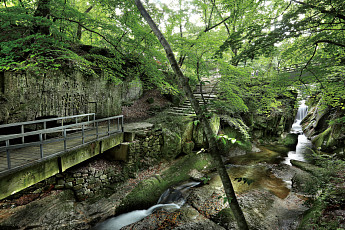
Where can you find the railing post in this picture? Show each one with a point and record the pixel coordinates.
(96, 130)
(108, 127)
(122, 124)
(64, 140)
(8, 154)
(45, 127)
(41, 145)
(94, 119)
(76, 120)
(82, 133)
(118, 124)
(22, 129)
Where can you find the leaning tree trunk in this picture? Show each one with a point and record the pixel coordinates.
(213, 146)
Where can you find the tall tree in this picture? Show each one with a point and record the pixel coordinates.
(79, 25)
(211, 137)
(43, 10)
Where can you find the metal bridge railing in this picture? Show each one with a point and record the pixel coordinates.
(42, 124)
(62, 133)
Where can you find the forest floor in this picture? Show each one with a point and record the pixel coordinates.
(151, 101)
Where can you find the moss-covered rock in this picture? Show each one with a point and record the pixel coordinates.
(313, 169)
(148, 192)
(304, 182)
(324, 126)
(290, 140)
(198, 135)
(172, 144)
(187, 134)
(187, 147)
(322, 140)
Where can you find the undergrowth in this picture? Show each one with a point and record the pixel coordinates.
(329, 198)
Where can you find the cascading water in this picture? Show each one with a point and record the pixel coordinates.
(304, 145)
(170, 199)
(301, 113)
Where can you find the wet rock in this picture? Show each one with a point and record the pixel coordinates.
(206, 224)
(315, 170)
(207, 200)
(196, 175)
(255, 149)
(56, 210)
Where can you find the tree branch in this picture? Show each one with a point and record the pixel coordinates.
(282, 12)
(92, 31)
(214, 26)
(181, 60)
(330, 42)
(220, 15)
(305, 67)
(322, 10)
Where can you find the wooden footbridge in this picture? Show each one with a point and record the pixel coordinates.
(36, 150)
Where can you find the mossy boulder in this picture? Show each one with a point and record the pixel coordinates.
(172, 145)
(187, 147)
(198, 135)
(313, 169)
(199, 138)
(187, 134)
(290, 140)
(304, 182)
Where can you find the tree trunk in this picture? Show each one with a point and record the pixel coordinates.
(79, 25)
(43, 10)
(213, 145)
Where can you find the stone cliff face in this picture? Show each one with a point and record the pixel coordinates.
(28, 96)
(322, 128)
(275, 125)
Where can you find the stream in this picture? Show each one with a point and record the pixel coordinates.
(267, 202)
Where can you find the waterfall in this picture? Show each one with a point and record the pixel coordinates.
(302, 111)
(170, 199)
(304, 145)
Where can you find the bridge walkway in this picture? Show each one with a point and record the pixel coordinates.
(22, 149)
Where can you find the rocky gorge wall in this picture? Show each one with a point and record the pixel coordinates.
(322, 128)
(274, 125)
(27, 95)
